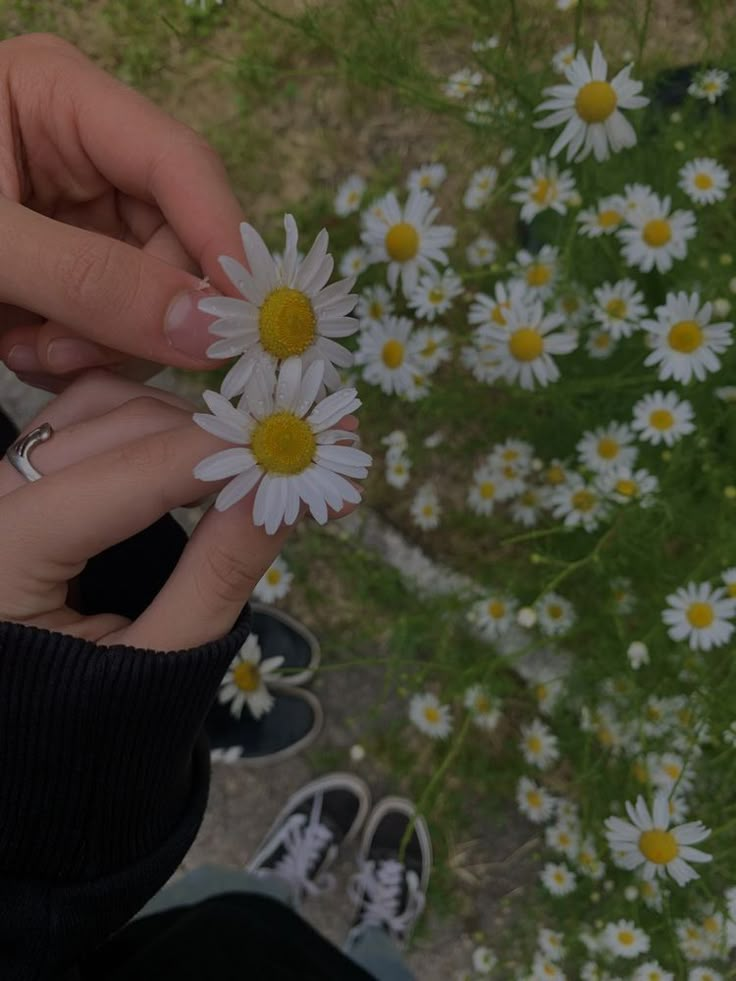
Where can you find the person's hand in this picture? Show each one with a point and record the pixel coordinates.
(120, 457)
(111, 212)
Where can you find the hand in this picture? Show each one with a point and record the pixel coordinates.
(121, 456)
(110, 209)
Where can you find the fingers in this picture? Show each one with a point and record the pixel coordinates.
(108, 292)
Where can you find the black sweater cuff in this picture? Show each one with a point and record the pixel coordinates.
(97, 748)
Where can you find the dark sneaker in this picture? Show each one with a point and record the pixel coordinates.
(390, 889)
(304, 840)
(291, 725)
(280, 635)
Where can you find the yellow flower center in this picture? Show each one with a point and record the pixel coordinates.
(247, 676)
(541, 693)
(528, 499)
(487, 490)
(657, 232)
(496, 609)
(658, 846)
(538, 274)
(429, 349)
(605, 736)
(526, 344)
(596, 101)
(616, 308)
(554, 611)
(427, 510)
(602, 341)
(700, 615)
(661, 419)
(639, 772)
(392, 354)
(608, 448)
(555, 475)
(482, 704)
(402, 242)
(283, 444)
(497, 315)
(673, 770)
(685, 336)
(534, 744)
(583, 500)
(609, 218)
(543, 191)
(436, 295)
(431, 714)
(711, 924)
(703, 181)
(375, 310)
(510, 455)
(534, 798)
(626, 938)
(287, 323)
(731, 587)
(559, 878)
(626, 487)
(273, 576)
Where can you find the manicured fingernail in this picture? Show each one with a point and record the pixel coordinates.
(186, 326)
(22, 357)
(69, 354)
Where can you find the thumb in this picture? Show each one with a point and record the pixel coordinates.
(105, 290)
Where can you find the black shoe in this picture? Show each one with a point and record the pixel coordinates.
(280, 635)
(305, 838)
(290, 726)
(390, 889)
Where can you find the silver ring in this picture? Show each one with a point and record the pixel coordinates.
(19, 453)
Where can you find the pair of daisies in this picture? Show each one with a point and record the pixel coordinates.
(287, 442)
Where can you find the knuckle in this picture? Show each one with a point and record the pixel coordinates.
(146, 408)
(225, 576)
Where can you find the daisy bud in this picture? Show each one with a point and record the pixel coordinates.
(638, 654)
(526, 617)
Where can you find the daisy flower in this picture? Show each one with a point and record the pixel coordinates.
(558, 879)
(562, 59)
(538, 271)
(600, 344)
(426, 509)
(556, 614)
(396, 442)
(492, 311)
(619, 307)
(645, 843)
(275, 582)
(486, 45)
(545, 969)
(430, 348)
(486, 711)
(481, 251)
(591, 107)
(624, 939)
(545, 188)
(534, 802)
(578, 504)
(539, 744)
(434, 293)
(285, 445)
(656, 236)
(386, 355)
(244, 684)
(516, 451)
(704, 974)
(663, 418)
(286, 311)
(349, 195)
(700, 614)
(606, 447)
(527, 507)
(462, 83)
(527, 342)
(709, 84)
(482, 358)
(428, 177)
(624, 485)
(374, 304)
(481, 186)
(588, 861)
(704, 180)
(510, 479)
(354, 262)
(484, 960)
(608, 215)
(562, 837)
(493, 615)
(406, 238)
(652, 971)
(398, 471)
(429, 716)
(729, 578)
(483, 492)
(685, 343)
(550, 942)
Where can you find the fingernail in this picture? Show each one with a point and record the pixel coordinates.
(69, 354)
(22, 357)
(186, 327)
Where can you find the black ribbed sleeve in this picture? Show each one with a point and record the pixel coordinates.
(103, 784)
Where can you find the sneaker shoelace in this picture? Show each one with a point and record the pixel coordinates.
(307, 844)
(377, 891)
